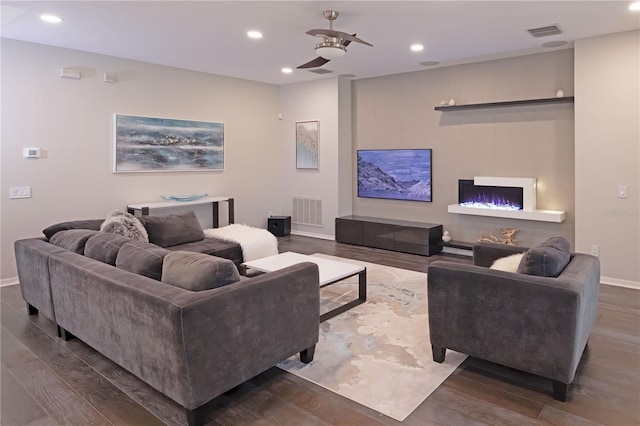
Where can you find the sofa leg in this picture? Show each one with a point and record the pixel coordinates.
(560, 391)
(438, 353)
(306, 356)
(32, 310)
(66, 336)
(58, 330)
(197, 416)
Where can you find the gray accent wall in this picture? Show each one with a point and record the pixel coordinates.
(527, 141)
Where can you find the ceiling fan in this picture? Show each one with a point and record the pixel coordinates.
(334, 43)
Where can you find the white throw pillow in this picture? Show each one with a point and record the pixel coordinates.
(509, 263)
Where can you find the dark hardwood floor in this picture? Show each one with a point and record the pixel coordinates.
(46, 381)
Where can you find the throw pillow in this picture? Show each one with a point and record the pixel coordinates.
(173, 229)
(547, 259)
(197, 271)
(72, 239)
(509, 263)
(104, 247)
(125, 224)
(141, 258)
(92, 224)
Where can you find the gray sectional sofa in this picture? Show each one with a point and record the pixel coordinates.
(184, 322)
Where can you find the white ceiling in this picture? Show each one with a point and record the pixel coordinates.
(210, 36)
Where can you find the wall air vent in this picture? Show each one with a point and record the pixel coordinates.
(307, 211)
(547, 31)
(320, 71)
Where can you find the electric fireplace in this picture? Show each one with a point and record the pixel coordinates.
(489, 197)
(504, 197)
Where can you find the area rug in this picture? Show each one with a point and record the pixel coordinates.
(378, 353)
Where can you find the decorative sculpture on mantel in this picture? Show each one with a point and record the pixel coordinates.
(507, 233)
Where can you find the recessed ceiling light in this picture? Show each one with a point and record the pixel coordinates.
(254, 34)
(429, 63)
(635, 6)
(53, 19)
(556, 43)
(287, 70)
(417, 47)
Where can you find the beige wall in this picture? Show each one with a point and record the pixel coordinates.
(607, 83)
(71, 120)
(534, 141)
(327, 101)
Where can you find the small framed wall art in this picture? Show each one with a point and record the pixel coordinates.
(307, 138)
(152, 144)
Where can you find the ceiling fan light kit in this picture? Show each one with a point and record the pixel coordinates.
(331, 48)
(334, 43)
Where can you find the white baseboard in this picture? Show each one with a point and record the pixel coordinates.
(312, 235)
(620, 283)
(5, 282)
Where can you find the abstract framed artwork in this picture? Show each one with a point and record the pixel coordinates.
(307, 137)
(152, 144)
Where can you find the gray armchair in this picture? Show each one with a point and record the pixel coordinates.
(537, 324)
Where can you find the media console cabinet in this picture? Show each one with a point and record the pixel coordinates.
(390, 234)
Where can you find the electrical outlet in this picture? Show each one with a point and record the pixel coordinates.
(595, 250)
(20, 192)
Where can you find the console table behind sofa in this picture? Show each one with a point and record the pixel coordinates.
(145, 207)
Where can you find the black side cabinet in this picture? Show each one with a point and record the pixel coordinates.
(390, 234)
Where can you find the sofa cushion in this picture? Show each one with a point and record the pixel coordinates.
(508, 263)
(92, 224)
(547, 259)
(104, 247)
(72, 239)
(125, 224)
(172, 229)
(197, 271)
(141, 258)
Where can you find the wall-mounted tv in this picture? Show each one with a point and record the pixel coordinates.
(396, 174)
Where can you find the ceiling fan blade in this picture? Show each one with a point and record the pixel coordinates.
(317, 62)
(339, 34)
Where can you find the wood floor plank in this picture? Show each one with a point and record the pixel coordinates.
(327, 406)
(17, 406)
(511, 402)
(479, 409)
(58, 399)
(581, 401)
(276, 410)
(556, 417)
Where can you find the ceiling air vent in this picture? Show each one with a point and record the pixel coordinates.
(547, 31)
(320, 71)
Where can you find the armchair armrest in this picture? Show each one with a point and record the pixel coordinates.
(535, 324)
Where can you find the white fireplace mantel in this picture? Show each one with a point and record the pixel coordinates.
(528, 212)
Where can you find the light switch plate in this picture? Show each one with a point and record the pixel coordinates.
(20, 192)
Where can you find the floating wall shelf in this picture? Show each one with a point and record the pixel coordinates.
(537, 215)
(524, 102)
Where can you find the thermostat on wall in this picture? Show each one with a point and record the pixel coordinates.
(31, 152)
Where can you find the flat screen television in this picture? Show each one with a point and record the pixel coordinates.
(396, 174)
